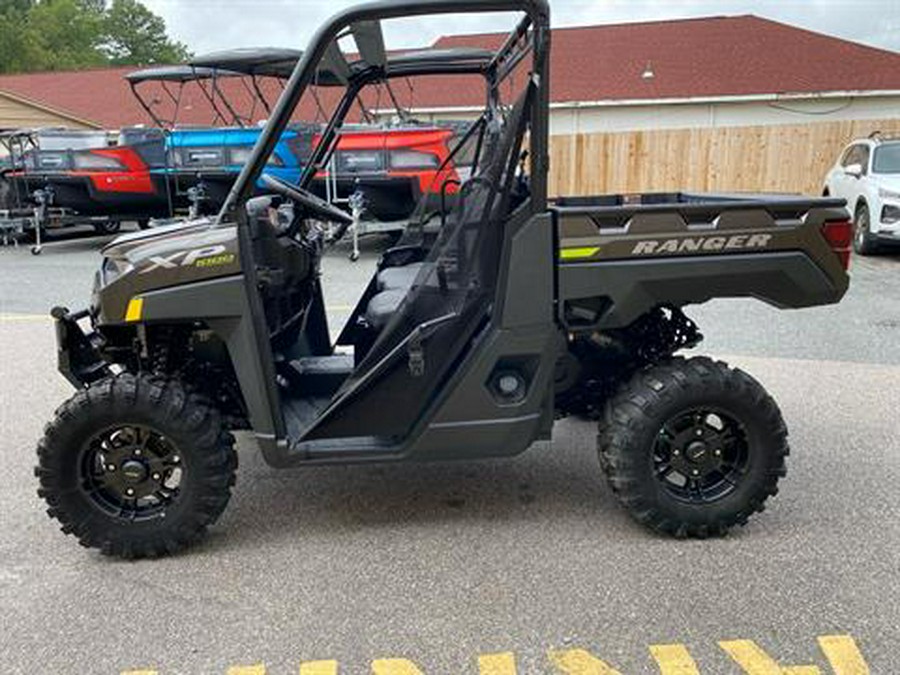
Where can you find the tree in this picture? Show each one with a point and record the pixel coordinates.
(67, 33)
(70, 34)
(135, 35)
(18, 49)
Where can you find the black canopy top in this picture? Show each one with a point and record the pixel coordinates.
(262, 61)
(179, 74)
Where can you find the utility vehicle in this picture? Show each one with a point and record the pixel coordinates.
(471, 340)
(867, 175)
(391, 166)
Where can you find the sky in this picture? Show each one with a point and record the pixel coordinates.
(208, 25)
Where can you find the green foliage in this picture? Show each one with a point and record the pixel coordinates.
(135, 35)
(70, 34)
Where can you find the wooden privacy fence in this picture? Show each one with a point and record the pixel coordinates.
(777, 158)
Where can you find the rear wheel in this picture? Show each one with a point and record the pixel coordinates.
(136, 467)
(863, 241)
(693, 447)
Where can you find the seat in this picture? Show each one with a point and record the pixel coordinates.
(384, 305)
(398, 277)
(394, 283)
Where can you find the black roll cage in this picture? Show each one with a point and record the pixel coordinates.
(323, 63)
(172, 80)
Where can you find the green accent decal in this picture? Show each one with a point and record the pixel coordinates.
(578, 253)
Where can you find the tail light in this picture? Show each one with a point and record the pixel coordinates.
(94, 161)
(839, 235)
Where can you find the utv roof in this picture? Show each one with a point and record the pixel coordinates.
(180, 74)
(261, 61)
(405, 64)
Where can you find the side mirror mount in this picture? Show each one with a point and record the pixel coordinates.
(854, 170)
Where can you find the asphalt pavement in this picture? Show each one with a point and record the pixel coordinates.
(520, 566)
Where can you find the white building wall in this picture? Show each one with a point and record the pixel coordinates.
(586, 118)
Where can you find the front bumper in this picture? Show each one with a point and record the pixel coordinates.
(77, 352)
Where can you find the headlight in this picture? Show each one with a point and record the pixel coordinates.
(888, 194)
(113, 268)
(890, 214)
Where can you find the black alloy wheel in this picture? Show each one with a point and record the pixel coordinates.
(701, 455)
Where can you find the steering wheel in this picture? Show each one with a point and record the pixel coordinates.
(307, 200)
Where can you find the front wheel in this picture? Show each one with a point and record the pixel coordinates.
(135, 466)
(863, 241)
(692, 447)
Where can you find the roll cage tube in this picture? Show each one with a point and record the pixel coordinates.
(537, 11)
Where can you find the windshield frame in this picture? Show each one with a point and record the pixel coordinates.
(309, 66)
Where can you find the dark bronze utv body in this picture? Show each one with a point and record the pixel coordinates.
(523, 310)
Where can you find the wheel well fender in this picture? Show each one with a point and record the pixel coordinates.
(222, 305)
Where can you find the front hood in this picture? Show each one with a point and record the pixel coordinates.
(889, 182)
(121, 247)
(164, 257)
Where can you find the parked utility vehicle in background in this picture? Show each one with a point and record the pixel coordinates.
(867, 176)
(466, 344)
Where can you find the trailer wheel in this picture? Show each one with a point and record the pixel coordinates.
(108, 227)
(135, 466)
(692, 447)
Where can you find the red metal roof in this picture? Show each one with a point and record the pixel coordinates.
(692, 58)
(707, 57)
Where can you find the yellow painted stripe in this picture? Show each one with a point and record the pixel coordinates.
(16, 318)
(674, 660)
(247, 670)
(319, 668)
(135, 309)
(579, 662)
(843, 655)
(749, 656)
(394, 667)
(578, 253)
(503, 663)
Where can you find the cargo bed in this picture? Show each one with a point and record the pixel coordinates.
(621, 255)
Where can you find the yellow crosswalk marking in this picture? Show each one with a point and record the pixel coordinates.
(247, 670)
(843, 655)
(674, 660)
(394, 667)
(754, 661)
(503, 663)
(580, 662)
(319, 668)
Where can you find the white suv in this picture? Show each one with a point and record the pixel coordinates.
(868, 176)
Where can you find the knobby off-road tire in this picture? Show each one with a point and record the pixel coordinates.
(691, 423)
(136, 466)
